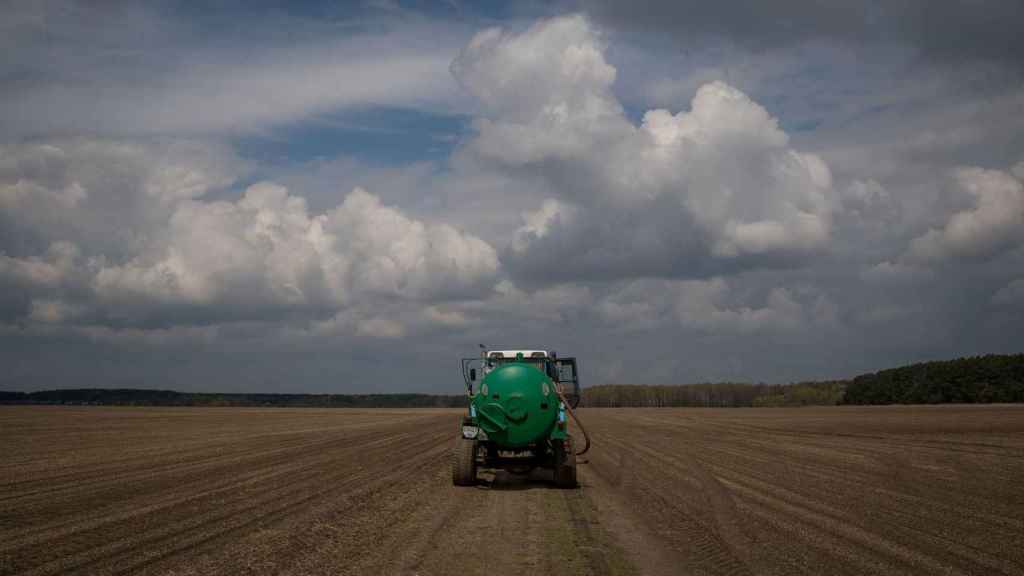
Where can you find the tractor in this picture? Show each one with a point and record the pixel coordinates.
(517, 420)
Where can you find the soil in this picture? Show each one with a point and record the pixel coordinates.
(838, 490)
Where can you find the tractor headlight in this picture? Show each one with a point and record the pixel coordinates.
(470, 432)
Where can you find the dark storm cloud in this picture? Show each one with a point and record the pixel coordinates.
(953, 30)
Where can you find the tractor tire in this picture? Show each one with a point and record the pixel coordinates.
(464, 462)
(565, 464)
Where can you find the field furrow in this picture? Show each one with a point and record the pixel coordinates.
(190, 491)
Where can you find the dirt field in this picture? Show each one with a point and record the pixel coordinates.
(886, 490)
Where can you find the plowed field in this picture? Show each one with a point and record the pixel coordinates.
(880, 490)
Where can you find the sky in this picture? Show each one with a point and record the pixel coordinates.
(323, 197)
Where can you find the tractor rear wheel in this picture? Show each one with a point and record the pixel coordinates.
(565, 464)
(464, 462)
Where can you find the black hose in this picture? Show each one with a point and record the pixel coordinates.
(568, 408)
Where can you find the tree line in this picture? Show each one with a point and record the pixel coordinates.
(971, 380)
(142, 397)
(977, 379)
(714, 395)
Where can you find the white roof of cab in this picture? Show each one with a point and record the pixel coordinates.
(512, 353)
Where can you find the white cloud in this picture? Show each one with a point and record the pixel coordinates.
(1018, 170)
(536, 224)
(553, 71)
(170, 76)
(673, 92)
(716, 306)
(546, 93)
(106, 196)
(262, 248)
(715, 183)
(445, 317)
(896, 273)
(993, 224)
(869, 206)
(636, 305)
(314, 79)
(626, 232)
(50, 270)
(703, 305)
(268, 248)
(195, 260)
(379, 327)
(394, 254)
(548, 304)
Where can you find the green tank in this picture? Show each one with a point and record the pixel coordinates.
(517, 417)
(516, 405)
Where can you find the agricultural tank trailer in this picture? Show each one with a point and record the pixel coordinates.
(519, 405)
(563, 371)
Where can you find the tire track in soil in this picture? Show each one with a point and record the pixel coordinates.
(203, 530)
(699, 527)
(806, 497)
(347, 492)
(104, 491)
(282, 510)
(197, 488)
(881, 536)
(663, 491)
(212, 516)
(507, 524)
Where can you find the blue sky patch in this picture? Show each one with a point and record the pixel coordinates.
(377, 135)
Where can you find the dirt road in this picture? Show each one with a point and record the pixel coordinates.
(901, 490)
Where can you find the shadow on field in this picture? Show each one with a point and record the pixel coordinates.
(538, 479)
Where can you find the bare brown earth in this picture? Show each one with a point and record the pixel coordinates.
(872, 490)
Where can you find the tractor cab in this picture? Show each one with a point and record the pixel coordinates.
(561, 371)
(495, 358)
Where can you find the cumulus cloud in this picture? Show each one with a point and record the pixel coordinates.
(896, 273)
(869, 206)
(711, 226)
(445, 317)
(536, 224)
(701, 305)
(379, 327)
(1018, 170)
(716, 306)
(108, 195)
(685, 194)
(552, 304)
(994, 223)
(200, 260)
(719, 306)
(45, 271)
(555, 69)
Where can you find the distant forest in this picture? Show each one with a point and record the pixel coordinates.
(141, 397)
(715, 395)
(978, 379)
